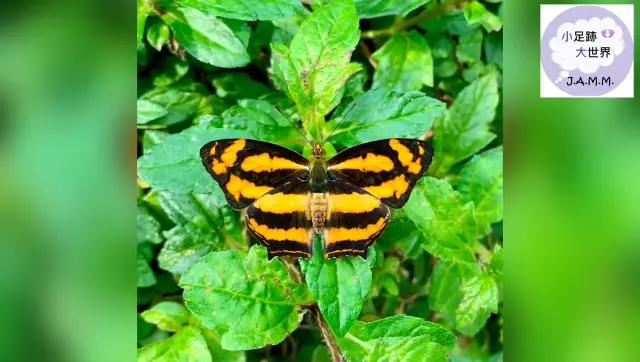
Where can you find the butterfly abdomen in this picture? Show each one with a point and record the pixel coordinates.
(318, 209)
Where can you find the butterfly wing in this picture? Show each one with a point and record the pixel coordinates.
(387, 169)
(247, 169)
(355, 218)
(280, 219)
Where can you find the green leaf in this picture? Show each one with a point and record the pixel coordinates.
(493, 48)
(142, 55)
(495, 267)
(481, 182)
(144, 329)
(401, 232)
(142, 13)
(175, 164)
(249, 300)
(475, 12)
(213, 105)
(469, 48)
(452, 85)
(404, 63)
(321, 354)
(440, 44)
(217, 352)
(316, 65)
(479, 300)
(262, 121)
(168, 316)
(283, 32)
(145, 251)
(452, 22)
(476, 351)
(340, 285)
(382, 113)
(188, 345)
(209, 39)
(355, 85)
(246, 9)
(240, 29)
(387, 277)
(168, 71)
(286, 28)
(239, 86)
(146, 278)
(445, 219)
(464, 130)
(180, 104)
(373, 9)
(475, 71)
(444, 289)
(397, 338)
(204, 223)
(148, 226)
(151, 138)
(149, 111)
(445, 67)
(158, 33)
(491, 22)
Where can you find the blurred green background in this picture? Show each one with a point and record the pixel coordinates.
(572, 206)
(67, 217)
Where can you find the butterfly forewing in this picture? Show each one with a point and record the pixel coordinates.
(387, 169)
(247, 169)
(280, 219)
(355, 218)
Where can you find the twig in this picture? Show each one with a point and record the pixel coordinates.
(327, 336)
(150, 126)
(308, 327)
(423, 16)
(484, 254)
(294, 347)
(427, 134)
(293, 270)
(367, 53)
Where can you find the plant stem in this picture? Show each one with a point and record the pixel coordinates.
(293, 270)
(484, 253)
(327, 336)
(423, 16)
(367, 53)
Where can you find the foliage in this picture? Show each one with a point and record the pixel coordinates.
(355, 71)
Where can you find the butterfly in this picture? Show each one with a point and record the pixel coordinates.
(288, 197)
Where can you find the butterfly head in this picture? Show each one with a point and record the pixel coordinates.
(317, 151)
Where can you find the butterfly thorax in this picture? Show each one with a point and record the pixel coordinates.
(318, 169)
(318, 183)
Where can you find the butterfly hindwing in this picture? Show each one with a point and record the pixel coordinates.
(388, 169)
(247, 169)
(355, 218)
(280, 219)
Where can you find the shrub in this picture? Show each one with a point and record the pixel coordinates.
(430, 287)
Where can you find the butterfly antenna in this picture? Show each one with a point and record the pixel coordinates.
(293, 124)
(341, 119)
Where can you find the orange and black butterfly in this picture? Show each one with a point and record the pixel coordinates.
(346, 198)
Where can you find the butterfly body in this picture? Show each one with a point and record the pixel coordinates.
(289, 198)
(318, 210)
(318, 169)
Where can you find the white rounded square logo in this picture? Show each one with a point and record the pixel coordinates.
(586, 51)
